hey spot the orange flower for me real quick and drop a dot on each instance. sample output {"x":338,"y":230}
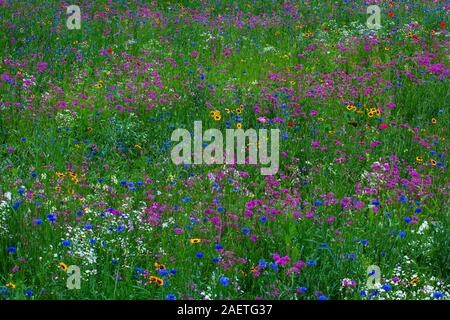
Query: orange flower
{"x":11,"y":285}
{"x":60,"y":175}
{"x":158,"y":281}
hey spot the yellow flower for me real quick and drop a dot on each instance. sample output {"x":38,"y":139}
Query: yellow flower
{"x":60,"y":174}
{"x":217,"y":117}
{"x":73,"y":174}
{"x":58,"y":188}
{"x":158,"y":281}
{"x":415,"y":280}
{"x":195,"y":240}
{"x":433,"y":120}
{"x":370,"y":114}
{"x":433,"y":162}
{"x":419,"y":159}
{"x":11,"y":285}
{"x":159,"y":266}
{"x":239,"y":125}
{"x":137,"y":146}
{"x":63,"y":266}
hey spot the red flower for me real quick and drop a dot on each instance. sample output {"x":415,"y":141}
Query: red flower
{"x":291,"y":124}
{"x":391,"y":14}
{"x":109,"y":51}
{"x":443,"y":24}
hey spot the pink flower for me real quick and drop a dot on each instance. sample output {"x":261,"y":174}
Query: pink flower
{"x":348,"y":282}
{"x":248,"y":213}
{"x":315,"y":144}
{"x":390,"y":105}
{"x":384,"y":126}
{"x":262,"y":119}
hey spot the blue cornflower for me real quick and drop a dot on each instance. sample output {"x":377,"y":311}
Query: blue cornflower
{"x":12,"y":249}
{"x":263,"y":219}
{"x":171,"y":297}
{"x":224,"y":281}
{"x":274,"y":266}
{"x":29,"y":293}
{"x":218,"y":246}
{"x":438,"y":295}
{"x":402,"y":234}
{"x":318,"y":202}
{"x":386,"y":287}
{"x":16,"y":205}
{"x":163,"y":272}
{"x":364,"y":242}
{"x":362,"y":293}
{"x":311,"y":263}
{"x":66,"y":243}
{"x":262,"y":263}
{"x":37,"y":221}
{"x":322,"y":297}
{"x":200,"y":254}
{"x":51,"y":217}
{"x":407,"y":219}
{"x":245,"y":230}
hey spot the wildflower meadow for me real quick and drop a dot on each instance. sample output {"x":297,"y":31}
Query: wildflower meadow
{"x":224,"y":150}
